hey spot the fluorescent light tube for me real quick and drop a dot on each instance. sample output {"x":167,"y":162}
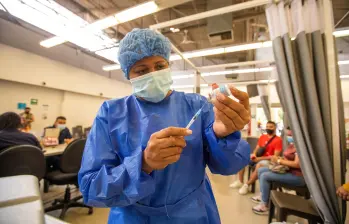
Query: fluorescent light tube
{"x":103,"y":23}
{"x":175,"y":57}
{"x":136,"y":12}
{"x":343,"y":62}
{"x":244,"y":47}
{"x":202,"y":53}
{"x":111,"y":67}
{"x":182,"y":76}
{"x":121,"y":17}
{"x":344,"y":76}
{"x":341,"y":33}
{"x":52,"y":42}
{"x":187,"y":86}
{"x":267,"y":81}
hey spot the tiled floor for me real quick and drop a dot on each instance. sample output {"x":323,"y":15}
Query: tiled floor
{"x":233,"y":207}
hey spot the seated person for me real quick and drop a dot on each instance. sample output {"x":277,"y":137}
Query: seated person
{"x":52,"y":162}
{"x":343,"y":192}
{"x":10,"y":134}
{"x":64,"y":134}
{"x":273,"y":148}
{"x":293,"y":176}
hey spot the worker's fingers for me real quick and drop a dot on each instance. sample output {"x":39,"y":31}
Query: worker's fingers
{"x":241,"y":96}
{"x":172,"y":159}
{"x":172,"y":141}
{"x":224,"y":119}
{"x":231,"y":114}
{"x":225,"y":109}
{"x":172,"y":151}
{"x":233,"y":105}
{"x":173,"y":131}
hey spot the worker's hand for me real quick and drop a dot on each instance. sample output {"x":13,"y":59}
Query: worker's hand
{"x":230,"y":116}
{"x":164,"y":148}
{"x":342,"y":193}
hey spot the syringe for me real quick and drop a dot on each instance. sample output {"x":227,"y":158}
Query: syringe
{"x":195,"y":117}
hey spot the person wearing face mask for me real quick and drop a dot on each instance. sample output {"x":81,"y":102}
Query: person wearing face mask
{"x":272,"y":145}
{"x":52,"y":162}
{"x":140,"y":161}
{"x":293,"y":176}
{"x":64,"y":134}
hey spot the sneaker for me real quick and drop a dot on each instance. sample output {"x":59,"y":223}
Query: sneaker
{"x":236,"y":184}
{"x":256,"y":199}
{"x":244,"y":189}
{"x":260,"y":209}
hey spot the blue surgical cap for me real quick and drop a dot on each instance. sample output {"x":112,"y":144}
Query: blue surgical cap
{"x":141,"y":43}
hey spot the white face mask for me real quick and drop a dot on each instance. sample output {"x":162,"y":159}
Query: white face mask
{"x":61,"y":126}
{"x":153,"y":86}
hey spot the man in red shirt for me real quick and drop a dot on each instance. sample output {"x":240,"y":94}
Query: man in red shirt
{"x":274,"y":148}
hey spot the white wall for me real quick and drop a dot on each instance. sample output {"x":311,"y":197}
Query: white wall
{"x":69,"y":91}
{"x":12,"y":93}
{"x":79,"y":109}
{"x":21,"y":66}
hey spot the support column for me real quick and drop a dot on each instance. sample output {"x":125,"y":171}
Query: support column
{"x":253,"y":108}
{"x":197,"y":82}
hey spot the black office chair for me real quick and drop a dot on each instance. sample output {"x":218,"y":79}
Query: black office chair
{"x":77,"y":132}
{"x":22,"y":160}
{"x":68,"y":174}
{"x":87,"y":131}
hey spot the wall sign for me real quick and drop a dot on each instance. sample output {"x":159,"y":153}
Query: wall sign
{"x":34,"y":101}
{"x":21,"y":106}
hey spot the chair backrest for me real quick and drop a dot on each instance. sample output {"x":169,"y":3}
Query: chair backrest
{"x":77,"y":132}
{"x":72,"y":156}
{"x":252,"y":141}
{"x":87,"y":131}
{"x":22,"y":160}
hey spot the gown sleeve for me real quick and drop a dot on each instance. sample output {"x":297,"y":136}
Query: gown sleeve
{"x":225,"y":156}
{"x":105,"y":178}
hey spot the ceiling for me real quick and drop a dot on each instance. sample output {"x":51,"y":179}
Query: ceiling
{"x":246,"y":26}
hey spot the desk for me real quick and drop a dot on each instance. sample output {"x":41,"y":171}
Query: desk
{"x":54,"y":150}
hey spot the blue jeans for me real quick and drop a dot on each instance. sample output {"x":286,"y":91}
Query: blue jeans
{"x":266,"y":176}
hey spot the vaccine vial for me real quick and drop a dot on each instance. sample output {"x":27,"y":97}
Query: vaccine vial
{"x":223,"y":88}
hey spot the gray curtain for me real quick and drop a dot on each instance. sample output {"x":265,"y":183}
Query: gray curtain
{"x":264,"y":96}
{"x":285,"y":118}
{"x":304,"y":90}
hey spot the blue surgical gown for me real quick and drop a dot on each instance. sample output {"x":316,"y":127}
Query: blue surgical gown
{"x":111,"y":175}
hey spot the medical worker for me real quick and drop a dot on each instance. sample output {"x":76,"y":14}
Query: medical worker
{"x":140,"y":161}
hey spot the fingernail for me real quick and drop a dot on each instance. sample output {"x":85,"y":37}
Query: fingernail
{"x":189,"y":132}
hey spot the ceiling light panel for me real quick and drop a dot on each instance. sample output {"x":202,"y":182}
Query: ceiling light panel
{"x":341,"y":33}
{"x":57,"y":20}
{"x":343,"y":62}
{"x":111,"y":67}
{"x":136,"y":12}
{"x":121,"y":17}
